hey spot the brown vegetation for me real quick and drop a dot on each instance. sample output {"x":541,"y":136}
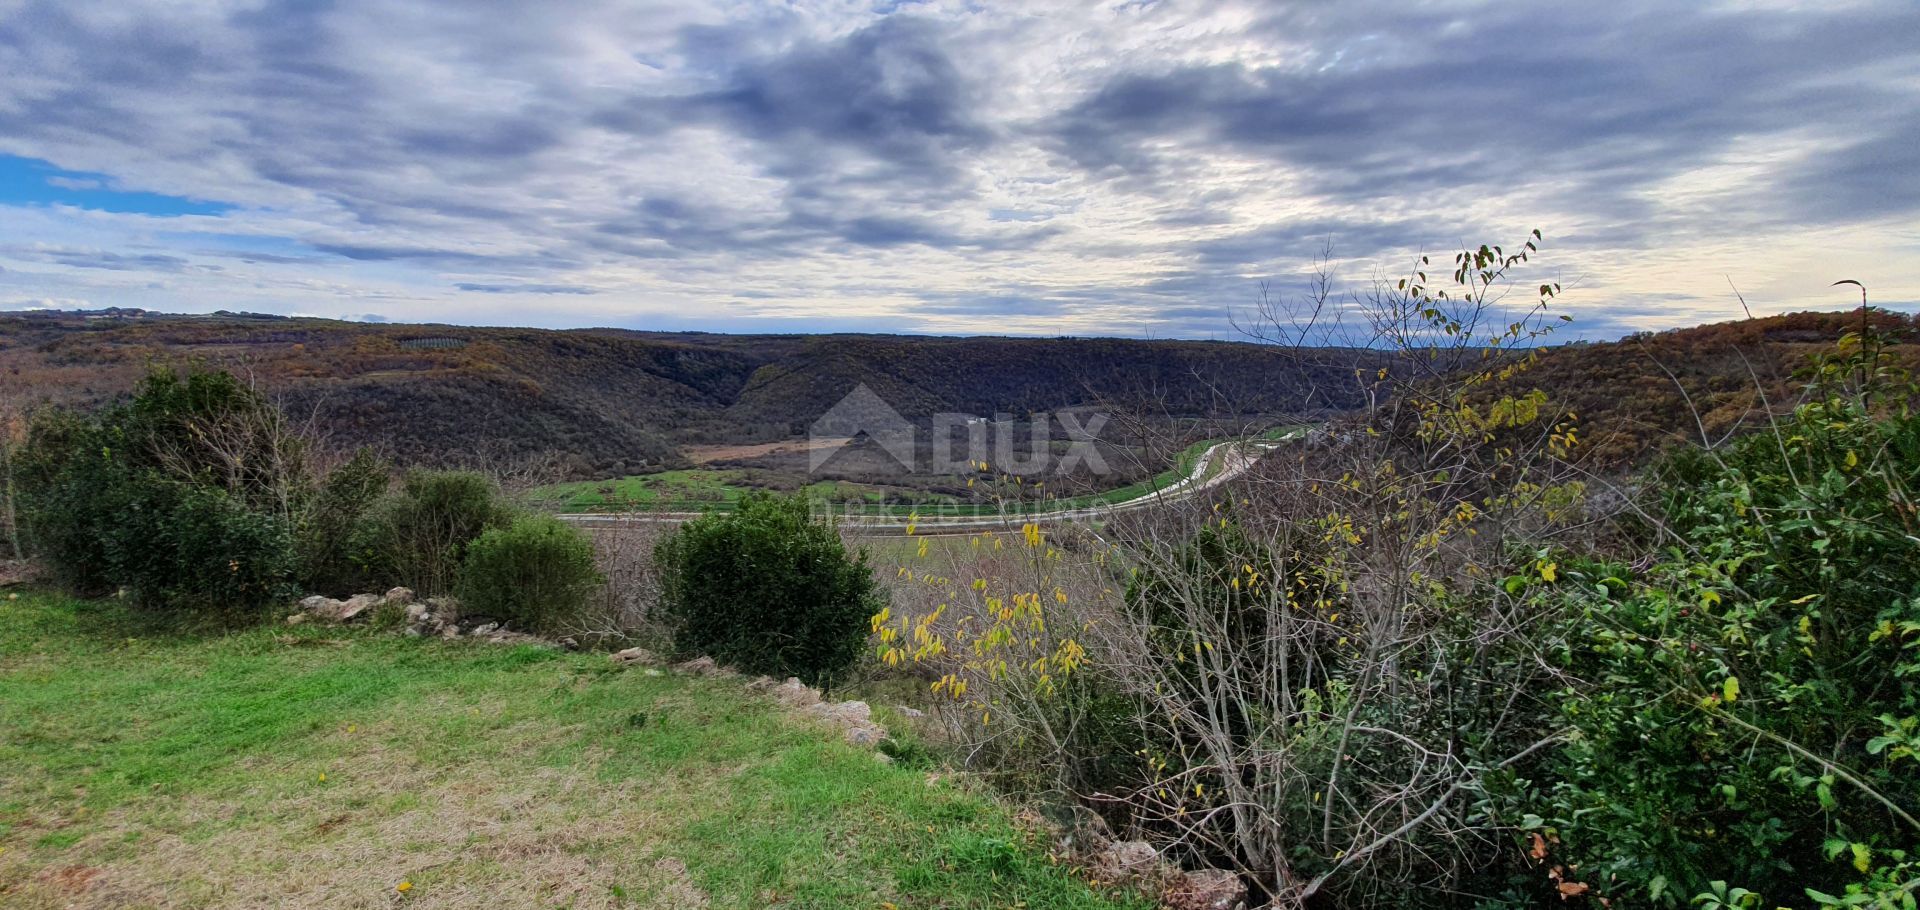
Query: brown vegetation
{"x":604,"y":402}
{"x":1695,"y":386}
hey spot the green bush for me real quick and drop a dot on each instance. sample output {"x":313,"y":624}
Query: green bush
{"x":329,"y":524}
{"x":70,"y":486}
{"x":535,"y":573}
{"x":768,"y":590}
{"x":418,"y":536}
{"x":207,"y":547}
{"x":1750,"y":713}
{"x":184,"y":496}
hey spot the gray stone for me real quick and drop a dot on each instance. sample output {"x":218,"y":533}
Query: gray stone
{"x":699,"y":666}
{"x":845,"y":712}
{"x":351,"y":608}
{"x":795,"y":694}
{"x":399,"y":596}
{"x":631,"y":656}
{"x":1205,"y":889}
{"x":1127,"y":861}
{"x":854,"y":720}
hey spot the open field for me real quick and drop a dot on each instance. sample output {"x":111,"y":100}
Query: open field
{"x":705,"y":454}
{"x":705,"y":489}
{"x":149,"y":766}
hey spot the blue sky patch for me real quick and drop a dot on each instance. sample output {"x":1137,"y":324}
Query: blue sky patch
{"x":30,"y":181}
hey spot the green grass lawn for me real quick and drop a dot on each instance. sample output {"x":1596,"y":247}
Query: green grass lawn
{"x":143,"y":765}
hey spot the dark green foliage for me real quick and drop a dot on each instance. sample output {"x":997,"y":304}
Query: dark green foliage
{"x":68,"y":485}
{"x":908,"y":752}
{"x":205,"y":546}
{"x":768,"y":590}
{"x":327,"y":528}
{"x":183,"y":496}
{"x":535,"y":574}
{"x":1751,"y":704}
{"x":418,"y":536}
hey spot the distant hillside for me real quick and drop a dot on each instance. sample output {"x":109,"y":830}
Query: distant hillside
{"x":613,"y":402}
{"x":1650,"y":390}
{"x":921,"y":377}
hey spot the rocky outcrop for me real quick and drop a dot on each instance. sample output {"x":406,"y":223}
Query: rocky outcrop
{"x":1137,"y":865}
{"x":435,"y":616}
{"x":1127,"y":861}
{"x":326,"y":608}
{"x":1205,"y":889}
{"x":853,"y":720}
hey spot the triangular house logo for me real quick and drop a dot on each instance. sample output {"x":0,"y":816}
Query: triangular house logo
{"x":860,"y":413}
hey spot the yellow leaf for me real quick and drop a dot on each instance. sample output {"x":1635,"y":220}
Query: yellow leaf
{"x":1550,"y":571}
{"x":1730,"y":689}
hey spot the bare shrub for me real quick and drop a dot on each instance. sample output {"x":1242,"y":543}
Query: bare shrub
{"x":623,"y":609}
{"x":1320,"y":664}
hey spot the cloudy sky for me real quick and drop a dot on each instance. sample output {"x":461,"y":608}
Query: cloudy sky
{"x":1123,"y":168}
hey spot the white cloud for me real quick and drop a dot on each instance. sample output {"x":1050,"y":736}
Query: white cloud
{"x":1118,"y":169}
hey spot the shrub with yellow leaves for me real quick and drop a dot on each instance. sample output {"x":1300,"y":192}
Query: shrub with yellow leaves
{"x":995,"y":625}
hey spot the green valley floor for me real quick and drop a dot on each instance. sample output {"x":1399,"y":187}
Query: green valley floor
{"x":142,"y":765}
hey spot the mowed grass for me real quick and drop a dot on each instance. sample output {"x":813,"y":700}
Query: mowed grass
{"x":142,"y":765}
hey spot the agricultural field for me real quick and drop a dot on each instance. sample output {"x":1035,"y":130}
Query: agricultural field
{"x":707,"y":488}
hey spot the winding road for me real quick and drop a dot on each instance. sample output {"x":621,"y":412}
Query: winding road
{"x":1220,"y":463}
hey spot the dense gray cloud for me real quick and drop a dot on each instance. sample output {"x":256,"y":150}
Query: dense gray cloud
{"x":947,"y":166}
{"x":1597,"y":102}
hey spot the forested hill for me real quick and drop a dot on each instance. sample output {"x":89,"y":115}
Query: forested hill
{"x":1650,"y":390}
{"x":615,"y":401}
